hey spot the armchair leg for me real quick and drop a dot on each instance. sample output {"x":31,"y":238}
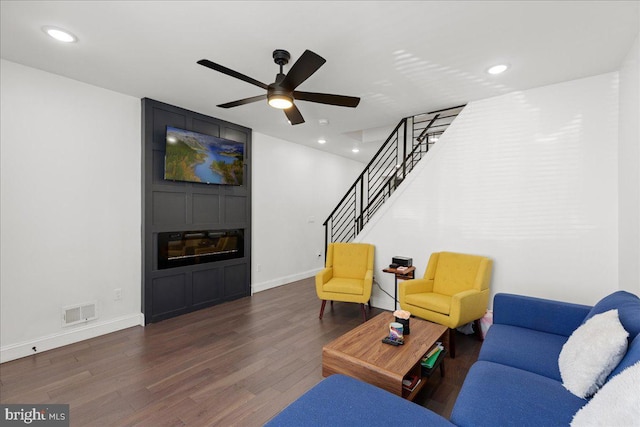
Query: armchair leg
{"x":452,"y":343}
{"x":478,"y":331}
{"x":324,"y":302}
{"x":364,"y":313}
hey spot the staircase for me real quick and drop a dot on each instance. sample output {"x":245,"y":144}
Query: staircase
{"x":403,"y":149}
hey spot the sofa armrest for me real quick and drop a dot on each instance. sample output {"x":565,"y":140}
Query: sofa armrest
{"x":555,"y":317}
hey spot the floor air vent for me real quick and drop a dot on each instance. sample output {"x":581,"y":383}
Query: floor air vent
{"x":73,"y":315}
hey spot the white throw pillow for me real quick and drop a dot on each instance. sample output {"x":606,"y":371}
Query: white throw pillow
{"x":591,"y":353}
{"x":615,"y":404}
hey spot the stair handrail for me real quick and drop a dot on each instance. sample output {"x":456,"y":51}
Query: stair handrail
{"x":359,"y":178}
{"x":349,"y":226}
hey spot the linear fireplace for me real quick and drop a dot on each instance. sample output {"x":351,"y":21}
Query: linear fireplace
{"x":180,"y":248}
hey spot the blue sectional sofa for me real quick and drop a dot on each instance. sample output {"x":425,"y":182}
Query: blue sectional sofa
{"x":516,"y":380}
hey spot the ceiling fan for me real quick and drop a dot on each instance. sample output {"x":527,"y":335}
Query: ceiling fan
{"x":281,"y":93}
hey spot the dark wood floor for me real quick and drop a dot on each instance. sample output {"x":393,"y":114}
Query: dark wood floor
{"x":237,"y":363}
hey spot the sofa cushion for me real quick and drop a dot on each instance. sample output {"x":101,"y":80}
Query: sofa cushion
{"x":628,"y":306}
{"x":498,"y":395}
{"x":617,"y":403}
{"x":339,"y":400}
{"x":592,"y":352}
{"x":523,"y":348}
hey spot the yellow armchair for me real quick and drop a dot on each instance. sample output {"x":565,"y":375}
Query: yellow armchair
{"x":347,"y":276}
{"x":453,"y":292}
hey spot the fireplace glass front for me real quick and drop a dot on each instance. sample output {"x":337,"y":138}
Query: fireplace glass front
{"x":177,"y":249}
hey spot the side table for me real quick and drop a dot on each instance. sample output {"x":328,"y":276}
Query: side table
{"x":406,"y":274}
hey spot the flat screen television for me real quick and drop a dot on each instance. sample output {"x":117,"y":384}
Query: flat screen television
{"x":195,"y":157}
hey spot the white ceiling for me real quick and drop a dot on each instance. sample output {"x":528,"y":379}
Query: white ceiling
{"x":402,"y":58}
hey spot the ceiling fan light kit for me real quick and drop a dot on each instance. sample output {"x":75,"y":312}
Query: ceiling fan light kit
{"x":282,"y":93}
{"x":280,"y":101}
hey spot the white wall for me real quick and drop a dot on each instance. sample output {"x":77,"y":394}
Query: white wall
{"x":70,"y":208}
{"x":294,"y":189}
{"x":529,"y":179}
{"x":629,"y":171}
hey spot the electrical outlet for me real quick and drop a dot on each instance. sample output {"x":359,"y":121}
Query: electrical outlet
{"x":117,"y":294}
{"x":258,"y":268}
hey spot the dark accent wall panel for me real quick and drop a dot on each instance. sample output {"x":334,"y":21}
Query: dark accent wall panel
{"x":168,"y":208}
{"x":207,"y":287}
{"x":206,"y":208}
{"x":182,"y":206}
{"x":234,"y":278}
{"x":169,"y":294}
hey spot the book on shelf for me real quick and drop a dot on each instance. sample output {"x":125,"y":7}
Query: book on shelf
{"x":433,"y":350}
{"x":432,"y":355}
{"x":411,"y":382}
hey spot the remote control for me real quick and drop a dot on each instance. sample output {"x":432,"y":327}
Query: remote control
{"x":388,"y":340}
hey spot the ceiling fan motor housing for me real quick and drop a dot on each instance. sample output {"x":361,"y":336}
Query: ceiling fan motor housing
{"x":281,"y":57}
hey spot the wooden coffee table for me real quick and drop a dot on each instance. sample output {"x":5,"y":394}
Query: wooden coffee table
{"x":360,"y":353}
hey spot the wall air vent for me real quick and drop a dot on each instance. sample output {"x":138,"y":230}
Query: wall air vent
{"x":72,"y":315}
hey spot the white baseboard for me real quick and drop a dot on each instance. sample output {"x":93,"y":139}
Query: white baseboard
{"x":77,"y":334}
{"x":263,"y":286}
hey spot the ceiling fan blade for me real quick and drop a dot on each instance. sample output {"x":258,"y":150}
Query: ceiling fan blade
{"x":326,"y":98}
{"x":294,"y":115}
{"x":230,"y":72}
{"x":304,"y":67}
{"x":243,"y":101}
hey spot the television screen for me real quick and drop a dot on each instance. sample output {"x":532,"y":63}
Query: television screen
{"x":196,"y":157}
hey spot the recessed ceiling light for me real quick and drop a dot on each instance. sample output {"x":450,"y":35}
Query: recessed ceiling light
{"x":323,"y":122}
{"x":498,"y":69}
{"x":60,"y":35}
{"x":322,"y":141}
{"x":355,"y":150}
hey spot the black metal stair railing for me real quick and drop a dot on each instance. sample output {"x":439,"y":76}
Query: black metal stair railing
{"x":400,"y":153}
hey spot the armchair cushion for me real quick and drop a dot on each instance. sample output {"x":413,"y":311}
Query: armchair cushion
{"x":430,"y":301}
{"x":344,"y":286}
